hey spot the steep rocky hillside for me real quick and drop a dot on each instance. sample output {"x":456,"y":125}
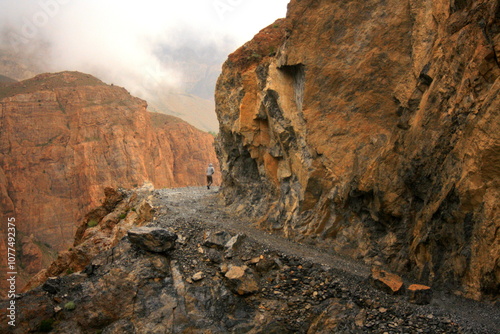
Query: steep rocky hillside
{"x":178,"y":261}
{"x":67,"y":136}
{"x":372,"y":128}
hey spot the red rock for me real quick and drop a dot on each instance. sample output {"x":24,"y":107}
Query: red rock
{"x":67,"y":136}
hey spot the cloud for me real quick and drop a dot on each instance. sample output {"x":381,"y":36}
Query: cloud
{"x":135,"y":44}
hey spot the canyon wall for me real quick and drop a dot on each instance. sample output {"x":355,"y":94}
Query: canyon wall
{"x":67,"y":136}
{"x":371,"y":128}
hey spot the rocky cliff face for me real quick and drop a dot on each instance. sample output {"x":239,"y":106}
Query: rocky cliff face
{"x":67,"y":136}
{"x":372,"y":128}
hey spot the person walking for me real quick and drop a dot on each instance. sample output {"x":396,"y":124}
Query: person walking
{"x":210,"y":173}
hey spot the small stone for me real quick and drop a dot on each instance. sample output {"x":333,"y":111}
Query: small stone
{"x":241,"y":280}
{"x":255,"y":260}
{"x":265,"y":265}
{"x":181,"y":239}
{"x":224,"y":268}
{"x":198,"y":276}
{"x":214,"y":255}
{"x":216,"y":240}
{"x":361,"y":318}
{"x":235,"y":242}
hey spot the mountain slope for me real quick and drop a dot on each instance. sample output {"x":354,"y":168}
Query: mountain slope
{"x":193,"y":109}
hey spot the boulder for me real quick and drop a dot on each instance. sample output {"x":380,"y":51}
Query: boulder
{"x":152,"y":239}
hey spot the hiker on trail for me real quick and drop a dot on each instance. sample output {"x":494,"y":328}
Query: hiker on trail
{"x":210,"y":172}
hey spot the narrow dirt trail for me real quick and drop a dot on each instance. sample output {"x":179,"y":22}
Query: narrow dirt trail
{"x":197,"y":204}
{"x":206,"y":206}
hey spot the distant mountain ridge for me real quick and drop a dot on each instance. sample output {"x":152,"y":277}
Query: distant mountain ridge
{"x":193,"y":103}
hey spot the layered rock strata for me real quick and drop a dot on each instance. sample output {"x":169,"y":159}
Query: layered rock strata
{"x":372,"y":128}
{"x":67,"y":136}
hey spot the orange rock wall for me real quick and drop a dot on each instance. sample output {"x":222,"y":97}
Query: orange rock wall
{"x":371,"y":128}
{"x":67,"y":136}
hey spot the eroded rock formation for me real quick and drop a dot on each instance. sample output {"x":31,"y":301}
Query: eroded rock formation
{"x":372,"y":127}
{"x":67,"y":136}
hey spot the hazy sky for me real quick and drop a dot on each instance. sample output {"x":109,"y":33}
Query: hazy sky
{"x":131,"y":43}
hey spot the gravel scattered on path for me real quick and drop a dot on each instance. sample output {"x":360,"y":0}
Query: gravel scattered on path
{"x":197,"y":204}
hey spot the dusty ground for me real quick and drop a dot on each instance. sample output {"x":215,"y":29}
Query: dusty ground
{"x":182,"y":207}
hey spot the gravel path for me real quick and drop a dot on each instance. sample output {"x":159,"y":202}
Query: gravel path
{"x":198,"y":204}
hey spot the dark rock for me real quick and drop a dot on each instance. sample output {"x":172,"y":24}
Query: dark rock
{"x":152,"y":239}
{"x":214,"y":255}
{"x":52,"y":285}
{"x":266,"y":265}
{"x":90,"y":269}
{"x":216,"y":240}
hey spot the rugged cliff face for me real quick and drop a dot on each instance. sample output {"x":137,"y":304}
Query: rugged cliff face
{"x":67,"y":136}
{"x":372,"y":128}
